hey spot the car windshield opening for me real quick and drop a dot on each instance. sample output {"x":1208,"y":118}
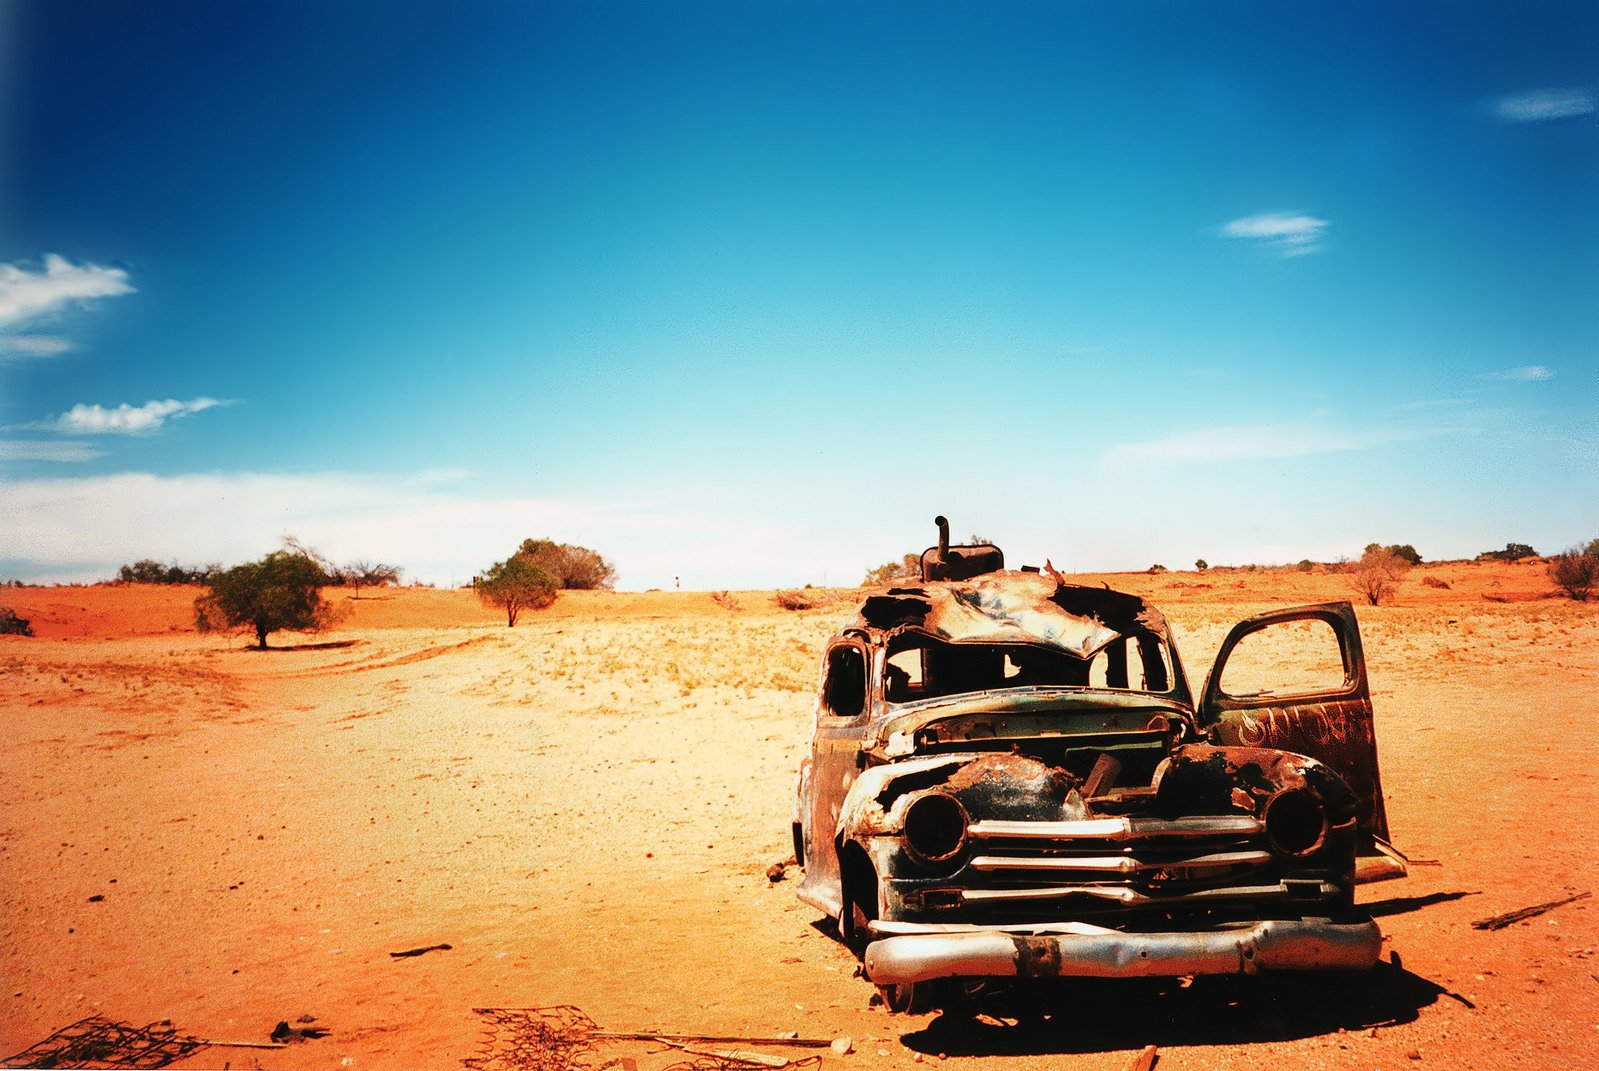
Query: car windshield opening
{"x":921,"y":667}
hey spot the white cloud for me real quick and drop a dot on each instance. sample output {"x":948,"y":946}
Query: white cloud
{"x":1541,"y":105}
{"x":25,"y":295}
{"x":47,"y":450}
{"x":1291,"y":234}
{"x":1523,"y":373}
{"x":32,"y":346}
{"x":125,"y":419}
{"x":1246,"y":442}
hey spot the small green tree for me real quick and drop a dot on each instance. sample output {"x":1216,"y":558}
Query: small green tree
{"x":1576,"y":570}
{"x":281,"y":592}
{"x":516,"y":584}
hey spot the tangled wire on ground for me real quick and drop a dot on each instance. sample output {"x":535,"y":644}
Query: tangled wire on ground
{"x":103,"y":1042}
{"x":561,"y":1038}
{"x":535,"y":1039}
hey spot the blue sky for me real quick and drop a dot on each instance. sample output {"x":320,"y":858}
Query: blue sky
{"x":746,"y":293}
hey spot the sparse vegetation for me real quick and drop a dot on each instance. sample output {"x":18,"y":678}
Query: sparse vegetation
{"x":516,"y":584}
{"x":1156,"y":568}
{"x":1576,"y":570}
{"x":150,"y":571}
{"x":1434,"y":582}
{"x":1403,"y":551}
{"x":12,"y":625}
{"x":725,"y":600}
{"x":1513,"y":552}
{"x":1200,"y":565}
{"x":573,"y":568}
{"x":1379,"y":571}
{"x":281,"y":592}
{"x":798,"y":600}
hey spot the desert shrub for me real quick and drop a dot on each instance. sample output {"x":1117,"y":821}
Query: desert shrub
{"x":1576,"y":570}
{"x":1378,"y":572}
{"x":907,"y":568}
{"x":1200,"y":565}
{"x":1305,"y":565}
{"x":1513,"y":552}
{"x":150,"y":571}
{"x":281,"y":592}
{"x":1434,"y":582}
{"x":12,"y":625}
{"x":797,"y":600}
{"x":1156,"y":568}
{"x":516,"y":584}
{"x":572,"y":567}
{"x":725,"y":600}
{"x":1403,"y":551}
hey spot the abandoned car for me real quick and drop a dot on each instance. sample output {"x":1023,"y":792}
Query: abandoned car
{"x":1009,"y":778}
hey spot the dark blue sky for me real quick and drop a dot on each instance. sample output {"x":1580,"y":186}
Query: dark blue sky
{"x":746,"y":293}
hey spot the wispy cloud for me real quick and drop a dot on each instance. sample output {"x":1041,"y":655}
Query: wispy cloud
{"x":1542,"y":105}
{"x":27,"y":295}
{"x":1523,"y":373}
{"x":47,"y":450}
{"x":125,"y":419}
{"x":32,"y":346}
{"x":1248,"y":442}
{"x":1291,"y":234}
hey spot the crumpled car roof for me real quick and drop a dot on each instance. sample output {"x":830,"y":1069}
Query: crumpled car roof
{"x":1012,"y":607}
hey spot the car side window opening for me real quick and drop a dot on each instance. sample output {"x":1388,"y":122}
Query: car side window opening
{"x":1300,"y":657}
{"x":844,"y":689}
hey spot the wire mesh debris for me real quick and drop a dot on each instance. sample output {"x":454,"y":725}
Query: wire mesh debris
{"x":100,"y":1042}
{"x":535,"y":1039}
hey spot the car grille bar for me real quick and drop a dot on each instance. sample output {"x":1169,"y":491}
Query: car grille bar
{"x":1123,"y":865}
{"x":1121,"y":829}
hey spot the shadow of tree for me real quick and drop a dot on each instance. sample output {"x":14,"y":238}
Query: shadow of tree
{"x":1094,"y":1015}
{"x":1400,"y":905}
{"x":329,"y":645}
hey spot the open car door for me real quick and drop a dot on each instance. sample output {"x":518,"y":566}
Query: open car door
{"x":1295,"y":680}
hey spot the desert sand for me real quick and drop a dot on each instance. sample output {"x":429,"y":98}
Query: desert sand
{"x":584,"y":809}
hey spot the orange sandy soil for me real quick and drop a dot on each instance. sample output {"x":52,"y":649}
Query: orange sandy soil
{"x":584,"y":808}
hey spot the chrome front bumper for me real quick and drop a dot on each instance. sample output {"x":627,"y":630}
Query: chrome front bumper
{"x":1075,"y":950}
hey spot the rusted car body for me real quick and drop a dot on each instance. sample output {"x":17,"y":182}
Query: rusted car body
{"x":1010,"y":778}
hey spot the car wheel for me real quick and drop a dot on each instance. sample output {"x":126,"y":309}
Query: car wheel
{"x":919,"y":998}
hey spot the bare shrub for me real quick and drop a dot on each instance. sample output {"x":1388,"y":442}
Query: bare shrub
{"x":1378,"y":572}
{"x":1434,"y":582}
{"x":725,"y":600}
{"x":1576,"y":570}
{"x":797,"y":600}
